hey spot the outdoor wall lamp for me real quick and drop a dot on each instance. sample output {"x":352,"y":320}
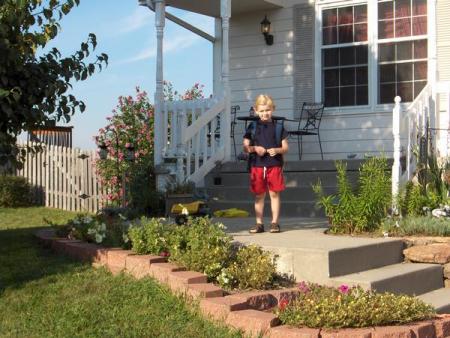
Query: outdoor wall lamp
{"x":130,"y":152}
{"x":103,"y":153}
{"x":265,"y":29}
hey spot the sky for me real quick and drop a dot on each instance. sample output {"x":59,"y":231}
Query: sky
{"x":126,"y":32}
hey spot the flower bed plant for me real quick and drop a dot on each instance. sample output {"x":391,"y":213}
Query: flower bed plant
{"x":344,"y":307}
{"x":203,"y":246}
{"x":417,"y":226}
{"x":96,"y":229}
{"x":360,"y":209}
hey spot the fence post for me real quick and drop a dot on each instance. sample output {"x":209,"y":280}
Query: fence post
{"x":396,"y":166}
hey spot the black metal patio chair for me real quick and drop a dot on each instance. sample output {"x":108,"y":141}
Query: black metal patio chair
{"x":309,"y":124}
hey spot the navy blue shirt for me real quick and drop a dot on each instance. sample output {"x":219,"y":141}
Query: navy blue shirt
{"x":265,"y":136}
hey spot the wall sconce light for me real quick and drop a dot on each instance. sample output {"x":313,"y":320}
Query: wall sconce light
{"x":265,"y":29}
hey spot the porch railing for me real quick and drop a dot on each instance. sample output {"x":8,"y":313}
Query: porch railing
{"x":192,"y":136}
{"x":429,"y":112}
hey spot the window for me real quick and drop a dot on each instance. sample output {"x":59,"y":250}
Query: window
{"x":401,"y":45}
{"x":344,"y":56}
{"x":402,"y":49}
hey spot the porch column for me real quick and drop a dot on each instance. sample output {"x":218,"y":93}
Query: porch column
{"x":225,"y":13}
{"x":396,"y":166}
{"x":160,"y":8}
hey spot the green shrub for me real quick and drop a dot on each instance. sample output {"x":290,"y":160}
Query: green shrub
{"x":149,"y":236}
{"x":325,"y":307}
{"x":417,"y":225}
{"x":201,"y":246}
{"x":14,"y":192}
{"x":361,"y":209}
{"x":252,"y":268}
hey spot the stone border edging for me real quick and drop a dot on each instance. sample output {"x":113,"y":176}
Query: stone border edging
{"x":246,"y":311}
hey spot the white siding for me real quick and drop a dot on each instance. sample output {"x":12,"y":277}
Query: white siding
{"x":256,"y":68}
{"x":443,"y":39}
{"x":285,"y":71}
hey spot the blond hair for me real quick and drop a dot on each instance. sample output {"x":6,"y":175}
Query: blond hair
{"x":264,"y":100}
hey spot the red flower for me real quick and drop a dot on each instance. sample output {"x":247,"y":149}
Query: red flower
{"x":283,"y":304}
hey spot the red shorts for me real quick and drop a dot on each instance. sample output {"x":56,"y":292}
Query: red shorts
{"x":266,"y":178}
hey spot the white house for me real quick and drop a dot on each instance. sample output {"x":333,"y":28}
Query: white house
{"x":355,"y":56}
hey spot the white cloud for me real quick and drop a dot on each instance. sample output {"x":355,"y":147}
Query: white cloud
{"x":170,"y":45}
{"x":139,"y":18}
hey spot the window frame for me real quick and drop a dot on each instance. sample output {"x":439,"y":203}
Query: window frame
{"x":372,"y":42}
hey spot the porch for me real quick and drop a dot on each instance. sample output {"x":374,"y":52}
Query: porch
{"x":194,"y":137}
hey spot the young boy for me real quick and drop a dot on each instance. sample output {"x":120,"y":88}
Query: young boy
{"x":266,"y":163}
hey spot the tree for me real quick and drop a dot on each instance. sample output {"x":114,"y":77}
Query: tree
{"x":34,"y":83}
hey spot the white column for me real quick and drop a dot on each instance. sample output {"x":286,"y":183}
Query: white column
{"x":225,"y":13}
{"x":396,"y":166}
{"x":159,"y":96}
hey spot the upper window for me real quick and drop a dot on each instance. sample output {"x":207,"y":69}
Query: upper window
{"x":401,"y":48}
{"x":344,"y":56}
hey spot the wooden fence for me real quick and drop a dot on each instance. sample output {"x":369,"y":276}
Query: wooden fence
{"x":63,"y":178}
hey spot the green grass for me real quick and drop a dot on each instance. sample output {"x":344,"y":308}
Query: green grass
{"x":45,"y":295}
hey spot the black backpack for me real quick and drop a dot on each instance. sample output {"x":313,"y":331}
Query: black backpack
{"x":251,"y":129}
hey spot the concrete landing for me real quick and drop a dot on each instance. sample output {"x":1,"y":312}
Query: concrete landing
{"x":439,"y":298}
{"x":305,"y":252}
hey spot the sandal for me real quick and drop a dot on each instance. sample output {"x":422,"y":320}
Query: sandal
{"x":258,"y":228}
{"x":274,"y":228}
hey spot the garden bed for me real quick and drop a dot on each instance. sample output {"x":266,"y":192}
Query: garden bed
{"x":247,"y":311}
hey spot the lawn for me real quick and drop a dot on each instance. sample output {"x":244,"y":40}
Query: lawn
{"x":44,"y":295}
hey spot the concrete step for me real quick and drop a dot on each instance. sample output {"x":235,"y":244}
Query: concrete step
{"x":288,"y":208}
{"x":402,"y":278}
{"x":439,"y":298}
{"x":292,"y":179}
{"x":242,"y":193}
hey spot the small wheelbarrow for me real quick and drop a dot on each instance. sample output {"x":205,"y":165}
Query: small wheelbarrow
{"x":181,"y":212}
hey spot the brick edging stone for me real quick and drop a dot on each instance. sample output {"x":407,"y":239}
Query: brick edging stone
{"x":244,"y":311}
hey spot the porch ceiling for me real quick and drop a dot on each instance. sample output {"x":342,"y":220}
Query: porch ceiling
{"x":212,"y":7}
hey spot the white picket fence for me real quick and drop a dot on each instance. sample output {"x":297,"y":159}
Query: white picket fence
{"x":63,"y":178}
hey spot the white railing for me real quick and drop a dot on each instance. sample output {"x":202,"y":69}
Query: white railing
{"x":430,"y":111}
{"x":192,"y":135}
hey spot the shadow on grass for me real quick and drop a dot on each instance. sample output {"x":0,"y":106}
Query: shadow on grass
{"x":23,"y":259}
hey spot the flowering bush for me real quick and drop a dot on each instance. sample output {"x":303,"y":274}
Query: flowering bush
{"x":84,"y":227}
{"x":201,"y":246}
{"x":252,"y":268}
{"x":130,"y":125}
{"x":204,"y":246}
{"x":320,"y":306}
{"x":96,"y":229}
{"x":148,"y":236}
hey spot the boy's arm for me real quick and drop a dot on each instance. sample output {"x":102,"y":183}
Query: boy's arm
{"x":282,"y":150}
{"x":252,"y":149}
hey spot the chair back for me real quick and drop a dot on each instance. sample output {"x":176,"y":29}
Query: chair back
{"x":312,"y":115}
{"x":234,"y":110}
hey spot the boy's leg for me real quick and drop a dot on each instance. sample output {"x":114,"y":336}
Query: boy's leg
{"x":259,"y":207}
{"x":275,"y":205}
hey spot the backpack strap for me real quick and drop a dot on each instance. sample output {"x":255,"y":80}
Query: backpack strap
{"x":278,"y":132}
{"x":251,"y":129}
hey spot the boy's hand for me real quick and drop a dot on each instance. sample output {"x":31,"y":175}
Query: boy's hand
{"x":260,"y":151}
{"x":272,"y":151}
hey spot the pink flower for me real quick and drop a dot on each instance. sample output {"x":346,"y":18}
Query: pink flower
{"x":164,"y":254}
{"x":303,"y":287}
{"x":344,"y":289}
